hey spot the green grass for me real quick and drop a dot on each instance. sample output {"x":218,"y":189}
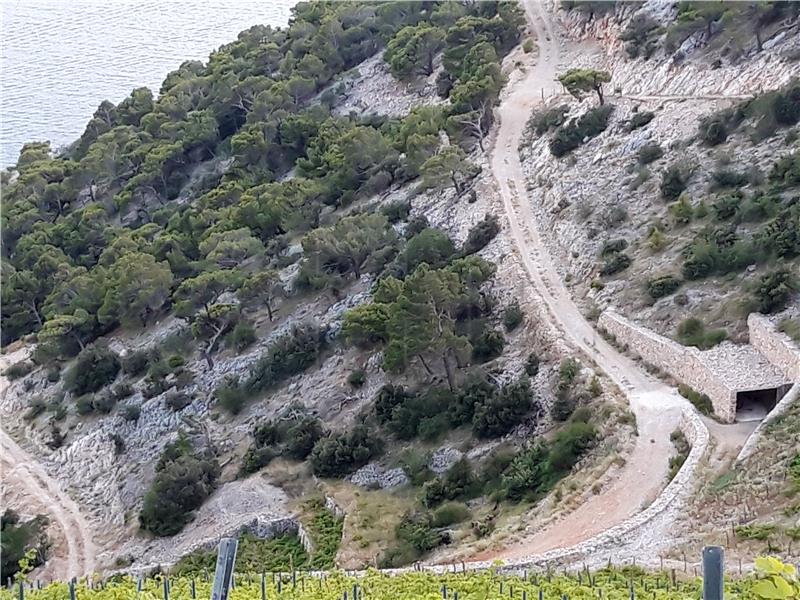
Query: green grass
{"x":283,"y":553}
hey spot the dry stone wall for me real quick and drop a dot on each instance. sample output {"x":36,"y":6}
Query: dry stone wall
{"x":776,"y":346}
{"x":685,"y":364}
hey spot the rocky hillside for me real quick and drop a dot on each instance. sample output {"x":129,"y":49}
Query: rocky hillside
{"x":676,"y":202}
{"x":281,"y":296}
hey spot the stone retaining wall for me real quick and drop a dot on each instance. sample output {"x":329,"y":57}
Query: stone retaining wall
{"x":683,"y":363}
{"x":779,"y":349}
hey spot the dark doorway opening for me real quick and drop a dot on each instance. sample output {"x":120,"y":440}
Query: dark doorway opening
{"x":754,"y":405}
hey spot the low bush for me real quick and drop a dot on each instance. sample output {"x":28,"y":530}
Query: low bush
{"x":95,"y":367}
{"x":397,"y":211}
{"x":503,"y":411}
{"x":178,"y":400}
{"x":357,"y":378}
{"x":136,"y":363}
{"x":36,"y":407}
{"x":640,"y":119}
{"x":241,"y":336}
{"x":682,"y":448}
{"x":673,"y":182}
{"x":773,"y":291}
{"x":458,"y":482}
{"x":641,"y":35}
{"x":693,"y":332}
{"x":231,"y":395}
{"x":535,"y":470}
{"x":512,"y":316}
{"x":589,"y":125}
{"x":543,"y":121}
{"x":18,"y":370}
{"x":253,"y":555}
{"x":185,"y":477}
{"x":727,"y":178}
{"x":664,"y":285}
{"x":615,"y":263}
{"x":481,"y":234}
{"x":790,"y":327}
{"x":487,"y":346}
{"x":131,"y":412}
{"x":450,"y":513}
{"x":648,"y":153}
{"x":532,"y":365}
{"x":342,"y":454}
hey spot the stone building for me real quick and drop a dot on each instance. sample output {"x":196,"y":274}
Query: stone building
{"x":743,"y":381}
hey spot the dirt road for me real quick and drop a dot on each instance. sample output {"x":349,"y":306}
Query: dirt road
{"x":26,"y":484}
{"x":656,"y":406}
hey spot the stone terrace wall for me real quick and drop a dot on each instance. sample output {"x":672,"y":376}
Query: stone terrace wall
{"x":684,"y":364}
{"x":779,"y":349}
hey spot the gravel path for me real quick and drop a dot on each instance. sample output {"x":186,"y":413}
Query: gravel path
{"x":657,"y":407}
{"x":72,"y":552}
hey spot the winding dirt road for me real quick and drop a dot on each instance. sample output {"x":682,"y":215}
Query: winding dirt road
{"x":657,"y":407}
{"x":26,"y":482}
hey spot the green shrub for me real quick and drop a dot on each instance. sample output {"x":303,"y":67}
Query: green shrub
{"x":700,"y":401}
{"x":725,"y":178}
{"x":648,"y":153}
{"x":774,"y":290}
{"x":342,"y":454}
{"x":389,"y":396}
{"x":357,"y":378}
{"x":615,"y":263}
{"x":397,"y":211}
{"x":175,"y":361}
{"x":84,"y":405}
{"x":512,"y":316}
{"x":543,"y":121}
{"x":241,"y":336}
{"x":104,"y":403}
{"x":713,"y":130}
{"x":693,"y":332}
{"x":450,"y":513}
{"x":527,"y":46}
{"x":640,"y":119}
{"x":673,"y":182}
{"x":458,"y":482}
{"x":289,"y":355}
{"x":184,"y":478}
{"x":504,"y":411}
{"x":613,"y":246}
{"x":178,"y":400}
{"x":19,"y":370}
{"x":664,"y":285}
{"x":231,"y":395}
{"x":563,"y":407}
{"x":18,"y":538}
{"x":589,"y":125}
{"x":131,"y":412}
{"x":786,"y":170}
{"x":480,"y":235}
{"x":122,"y":390}
{"x":726,"y":207}
{"x":135,"y":363}
{"x":489,"y":345}
{"x":407,"y":418}
{"x":682,"y":449}
{"x":570,"y":444}
{"x":641,"y":36}
{"x":532,"y":365}
{"x":790,"y":327}
{"x":95,"y":367}
{"x":568,"y":372}
{"x":256,"y":459}
{"x":301,"y":437}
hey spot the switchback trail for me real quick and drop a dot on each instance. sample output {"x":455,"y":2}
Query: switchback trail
{"x":74,"y":555}
{"x":657,"y":407}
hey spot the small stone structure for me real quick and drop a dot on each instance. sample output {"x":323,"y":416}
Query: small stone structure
{"x":778,"y":347}
{"x":727,"y":372}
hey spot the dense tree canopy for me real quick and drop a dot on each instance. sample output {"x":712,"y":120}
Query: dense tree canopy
{"x":164,"y":188}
